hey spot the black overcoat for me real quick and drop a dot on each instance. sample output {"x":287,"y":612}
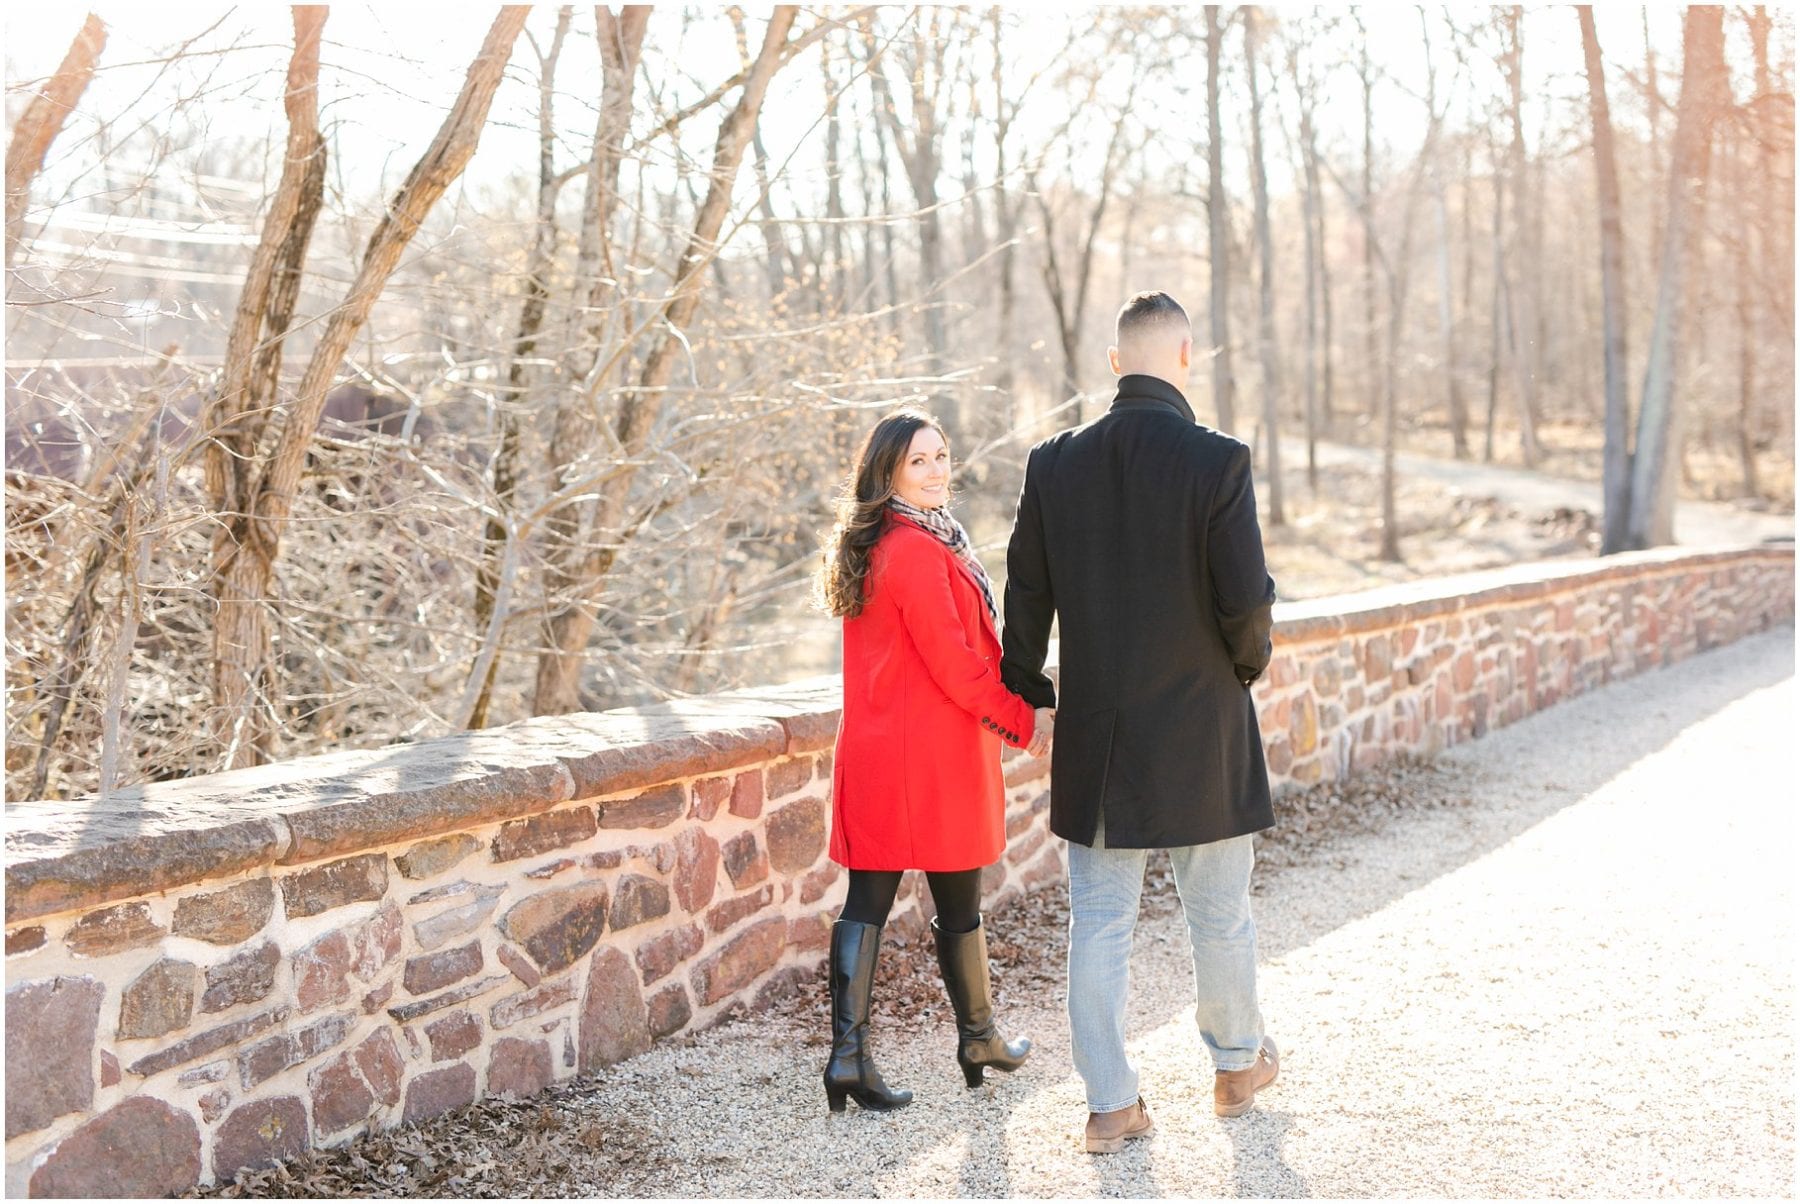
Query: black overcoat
{"x":1138,"y":534}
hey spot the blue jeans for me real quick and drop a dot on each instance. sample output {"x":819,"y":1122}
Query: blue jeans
{"x":1213,"y":881}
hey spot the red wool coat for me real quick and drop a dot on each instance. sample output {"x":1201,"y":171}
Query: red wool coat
{"x":916,"y":778}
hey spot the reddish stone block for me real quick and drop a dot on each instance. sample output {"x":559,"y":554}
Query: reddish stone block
{"x":340,"y":1098}
{"x":1378,"y":657}
{"x":1463,"y":672}
{"x":558,"y":926}
{"x":785,"y":777}
{"x":434,"y":971}
{"x":514,"y":1008}
{"x":815,"y":884}
{"x":1281,"y":755}
{"x":141,"y":1149}
{"x":669,"y":1011}
{"x":258,"y":1133}
{"x":377,"y":999}
{"x":809,"y":932}
{"x":1026,"y":769}
{"x":696,"y":868}
{"x":614,"y":1023}
{"x":375,"y":943}
{"x":1021,"y":852}
{"x":637,"y":899}
{"x":406,"y":1013}
{"x":1282,"y":672}
{"x":24,"y":940}
{"x":429,"y":858}
{"x":521,"y":967}
{"x":110,"y":1074}
{"x":335,"y":884}
{"x":709,"y":795}
{"x":724,"y":915}
{"x":113,"y":930}
{"x":320,"y":971}
{"x":1409,"y":639}
{"x":745,"y":862}
{"x":519,"y":1068}
{"x":158,"y":1001}
{"x":551,"y":869}
{"x":659,"y":955}
{"x":382,"y":1067}
{"x":1327,"y":677}
{"x":1046,"y":871}
{"x":747,"y":794}
{"x":246,"y":978}
{"x":796,"y":836}
{"x":439,"y":1091}
{"x":542,"y":833}
{"x":50,"y":1027}
{"x":653,"y":809}
{"x":741,"y":961}
{"x":453,"y":1036}
{"x":225,"y":917}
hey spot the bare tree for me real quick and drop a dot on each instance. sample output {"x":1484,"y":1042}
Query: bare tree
{"x":1615,"y":489}
{"x":1521,"y":315}
{"x":559,"y":666}
{"x":246,"y":551}
{"x":1265,"y":243}
{"x":1656,"y":457}
{"x":1218,"y":226}
{"x":43,"y":120}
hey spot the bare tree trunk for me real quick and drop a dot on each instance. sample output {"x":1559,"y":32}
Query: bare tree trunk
{"x":1521,"y":314}
{"x":497,"y":535}
{"x":1703,"y":84}
{"x":1218,"y":232}
{"x":42,"y":121}
{"x":1366,"y":73}
{"x":1310,"y":216}
{"x":1615,"y":488}
{"x":1006,"y":212}
{"x":1496,"y":298}
{"x":1327,"y":337}
{"x":1271,"y":359}
{"x":238,"y":413}
{"x":244,"y":560}
{"x":835,"y":291}
{"x":558,"y":677}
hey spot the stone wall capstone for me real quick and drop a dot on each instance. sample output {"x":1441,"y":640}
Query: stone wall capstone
{"x":206,"y":975}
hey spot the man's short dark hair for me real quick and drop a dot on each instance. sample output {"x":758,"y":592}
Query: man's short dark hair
{"x":1146,"y":311}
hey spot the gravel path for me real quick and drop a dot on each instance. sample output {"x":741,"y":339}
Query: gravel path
{"x":1696,"y":522}
{"x":1568,"y":971}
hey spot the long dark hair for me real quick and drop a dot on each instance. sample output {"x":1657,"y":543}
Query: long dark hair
{"x":861,"y":505}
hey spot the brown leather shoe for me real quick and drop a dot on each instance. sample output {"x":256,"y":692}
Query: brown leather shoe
{"x":1107,"y":1132}
{"x":1234,"y":1091}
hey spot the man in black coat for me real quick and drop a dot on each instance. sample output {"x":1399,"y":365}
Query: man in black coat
{"x":1138,"y":533}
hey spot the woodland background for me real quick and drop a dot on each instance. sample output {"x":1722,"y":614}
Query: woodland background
{"x":358,"y":395}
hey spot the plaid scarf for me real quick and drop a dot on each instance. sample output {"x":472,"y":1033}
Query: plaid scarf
{"x":950,"y":533}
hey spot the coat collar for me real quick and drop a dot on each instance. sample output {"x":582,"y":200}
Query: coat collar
{"x":1140,"y":392}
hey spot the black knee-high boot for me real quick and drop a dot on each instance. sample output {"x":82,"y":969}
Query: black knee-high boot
{"x":962,"y":956}
{"x":851,"y":1071}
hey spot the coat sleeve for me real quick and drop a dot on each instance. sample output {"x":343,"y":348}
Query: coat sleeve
{"x":916,"y":576}
{"x":1243,"y":591}
{"x":1030,"y":603}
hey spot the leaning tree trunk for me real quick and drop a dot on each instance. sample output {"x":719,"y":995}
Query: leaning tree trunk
{"x":243,"y":567}
{"x":1218,"y":227}
{"x":1615,"y":472}
{"x":1654,"y":464}
{"x":1271,"y":359}
{"x":559,"y":668}
{"x":43,"y":120}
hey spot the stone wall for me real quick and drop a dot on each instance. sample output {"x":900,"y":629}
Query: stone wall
{"x":205,"y":975}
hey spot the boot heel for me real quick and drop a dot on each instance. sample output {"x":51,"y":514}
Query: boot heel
{"x":834,"y":1097}
{"x":972,"y":1075}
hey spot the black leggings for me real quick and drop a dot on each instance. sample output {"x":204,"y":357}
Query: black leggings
{"x":957,"y":894}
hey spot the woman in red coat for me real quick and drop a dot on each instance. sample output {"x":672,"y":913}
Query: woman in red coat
{"x":916,"y":780}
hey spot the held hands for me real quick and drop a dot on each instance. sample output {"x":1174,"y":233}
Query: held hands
{"x":1041,"y":732}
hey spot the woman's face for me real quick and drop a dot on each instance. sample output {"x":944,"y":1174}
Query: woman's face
{"x":923,"y":478}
